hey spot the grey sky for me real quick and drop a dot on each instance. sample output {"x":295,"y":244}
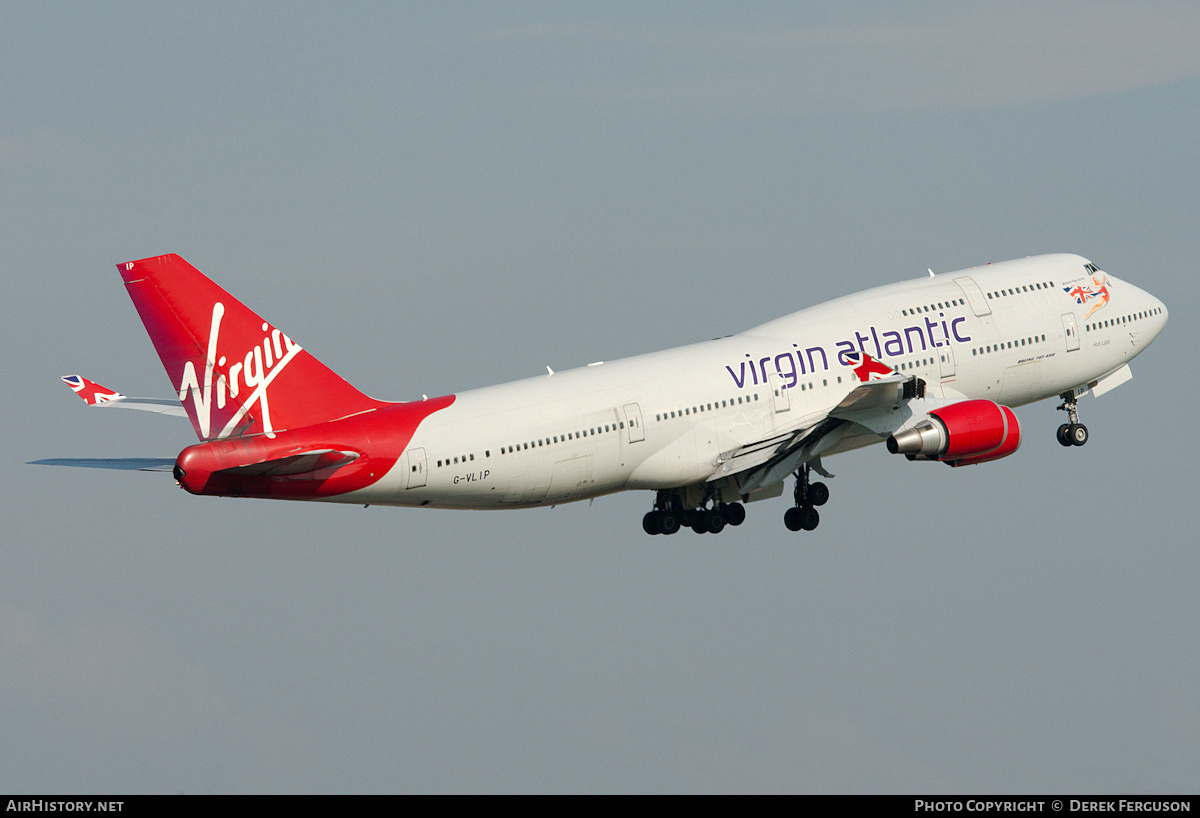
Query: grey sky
{"x":439,"y":196}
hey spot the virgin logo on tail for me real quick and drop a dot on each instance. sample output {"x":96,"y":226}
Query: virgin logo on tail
{"x":253,"y":371}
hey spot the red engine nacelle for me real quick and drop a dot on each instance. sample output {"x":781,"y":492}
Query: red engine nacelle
{"x":973,"y":431}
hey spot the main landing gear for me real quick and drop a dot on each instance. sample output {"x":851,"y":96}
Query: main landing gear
{"x":804,"y":516}
{"x":1073,"y":433}
{"x":669,"y":515}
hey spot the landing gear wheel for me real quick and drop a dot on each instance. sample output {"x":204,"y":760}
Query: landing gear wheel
{"x":650,"y":523}
{"x":1073,"y":433}
{"x":818,"y":494}
{"x":1078,"y":434}
{"x":792,"y":519}
{"x":809,"y":518}
{"x":734,"y":513}
{"x":714,"y":522}
{"x":698,"y":526}
{"x":668,"y":523}
{"x":1063,"y":431}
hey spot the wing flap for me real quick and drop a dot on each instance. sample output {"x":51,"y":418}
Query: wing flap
{"x":764,"y":462}
{"x":751,"y":455}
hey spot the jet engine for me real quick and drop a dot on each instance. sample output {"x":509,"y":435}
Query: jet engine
{"x":972,"y":431}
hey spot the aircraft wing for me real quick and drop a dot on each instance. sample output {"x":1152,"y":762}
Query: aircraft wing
{"x":880,"y":399}
{"x":93,"y":394}
{"x":751,"y":455}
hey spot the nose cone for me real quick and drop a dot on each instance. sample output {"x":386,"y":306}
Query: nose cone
{"x":1150,"y":313}
{"x":1157,"y":315}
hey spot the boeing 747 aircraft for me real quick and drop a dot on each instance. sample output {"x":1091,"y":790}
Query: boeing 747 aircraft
{"x":931,"y":367}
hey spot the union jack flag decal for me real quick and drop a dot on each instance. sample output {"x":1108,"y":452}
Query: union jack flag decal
{"x":1083,"y":293}
{"x":1080,"y":293}
{"x":91,"y":392}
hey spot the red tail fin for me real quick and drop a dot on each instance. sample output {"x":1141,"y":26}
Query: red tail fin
{"x":234,"y":372}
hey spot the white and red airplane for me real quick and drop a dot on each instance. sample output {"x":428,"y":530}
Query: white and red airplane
{"x":931,"y":367}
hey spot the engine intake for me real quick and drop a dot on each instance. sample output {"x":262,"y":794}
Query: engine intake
{"x":972,"y":431}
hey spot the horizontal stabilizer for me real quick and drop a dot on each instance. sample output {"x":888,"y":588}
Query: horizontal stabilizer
{"x":119,"y":463}
{"x":93,"y":394}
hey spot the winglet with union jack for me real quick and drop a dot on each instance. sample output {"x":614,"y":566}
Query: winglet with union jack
{"x":93,"y":394}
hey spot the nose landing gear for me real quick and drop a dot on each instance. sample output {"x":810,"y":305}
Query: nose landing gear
{"x":1073,"y":433}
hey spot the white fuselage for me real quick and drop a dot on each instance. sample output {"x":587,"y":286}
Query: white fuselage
{"x":1008,"y":332}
